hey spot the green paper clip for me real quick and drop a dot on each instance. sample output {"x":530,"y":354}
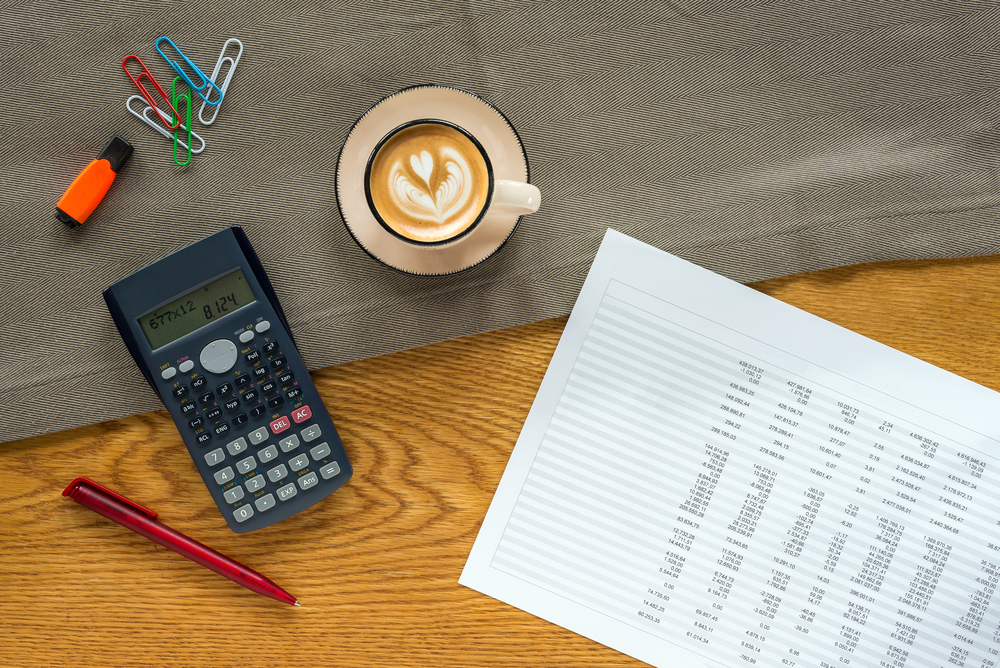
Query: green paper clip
{"x":175,"y":98}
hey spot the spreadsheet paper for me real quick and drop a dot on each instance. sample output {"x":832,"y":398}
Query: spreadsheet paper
{"x":711,"y":477}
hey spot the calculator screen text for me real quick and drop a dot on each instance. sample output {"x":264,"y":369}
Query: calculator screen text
{"x":196,"y":309}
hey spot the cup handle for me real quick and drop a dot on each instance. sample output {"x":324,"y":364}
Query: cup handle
{"x":515,"y":197}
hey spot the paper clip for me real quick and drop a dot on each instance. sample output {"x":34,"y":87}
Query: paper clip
{"x":145,"y":93}
{"x":207,"y":83}
{"x":176,"y":99}
{"x":144,"y":117}
{"x":225,"y":84}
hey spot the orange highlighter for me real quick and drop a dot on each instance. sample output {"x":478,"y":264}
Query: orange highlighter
{"x":89,"y":188}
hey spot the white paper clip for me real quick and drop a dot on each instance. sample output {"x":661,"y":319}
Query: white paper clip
{"x":156,"y":126}
{"x":225,"y":84}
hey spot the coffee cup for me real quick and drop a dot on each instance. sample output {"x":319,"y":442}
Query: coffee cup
{"x":433,"y":180}
{"x":430,"y":182}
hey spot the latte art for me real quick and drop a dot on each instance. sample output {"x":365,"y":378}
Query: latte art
{"x":423,"y":201}
{"x":429,"y":182}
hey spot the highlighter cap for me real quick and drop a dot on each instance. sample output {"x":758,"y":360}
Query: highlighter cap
{"x":116,"y":152}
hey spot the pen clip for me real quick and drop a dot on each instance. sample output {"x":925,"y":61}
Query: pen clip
{"x":73,"y":488}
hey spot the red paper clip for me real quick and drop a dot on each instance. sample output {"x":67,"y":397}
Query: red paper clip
{"x":145,"y":93}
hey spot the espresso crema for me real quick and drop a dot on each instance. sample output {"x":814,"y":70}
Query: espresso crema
{"x":429,"y":182}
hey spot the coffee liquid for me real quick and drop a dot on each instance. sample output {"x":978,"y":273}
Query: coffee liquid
{"x":429,"y":182}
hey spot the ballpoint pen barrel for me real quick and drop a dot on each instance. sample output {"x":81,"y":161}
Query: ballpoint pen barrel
{"x":145,"y":525}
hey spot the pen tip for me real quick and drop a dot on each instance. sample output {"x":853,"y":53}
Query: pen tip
{"x":298,"y":604}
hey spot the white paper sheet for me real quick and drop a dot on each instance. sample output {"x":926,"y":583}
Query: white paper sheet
{"x":709,"y":476}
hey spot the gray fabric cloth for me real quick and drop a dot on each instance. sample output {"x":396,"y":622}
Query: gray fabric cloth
{"x":756,"y":138}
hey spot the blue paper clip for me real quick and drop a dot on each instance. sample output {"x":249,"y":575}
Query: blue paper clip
{"x":233,"y":62}
{"x":206,"y":82}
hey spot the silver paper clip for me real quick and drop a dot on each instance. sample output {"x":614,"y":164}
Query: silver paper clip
{"x":156,"y":126}
{"x":225,"y":84}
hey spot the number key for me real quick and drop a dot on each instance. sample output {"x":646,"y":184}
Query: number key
{"x":268,"y":454}
{"x":225,"y":475}
{"x":214,"y":457}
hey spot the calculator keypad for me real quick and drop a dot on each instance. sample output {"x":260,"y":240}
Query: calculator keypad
{"x":245,"y":407}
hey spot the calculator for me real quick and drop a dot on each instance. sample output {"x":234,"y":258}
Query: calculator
{"x":207,"y":330}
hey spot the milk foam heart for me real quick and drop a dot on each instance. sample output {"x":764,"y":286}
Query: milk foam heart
{"x":429,"y":182}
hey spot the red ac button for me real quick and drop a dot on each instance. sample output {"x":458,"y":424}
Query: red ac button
{"x":280,"y":425}
{"x":301,"y":414}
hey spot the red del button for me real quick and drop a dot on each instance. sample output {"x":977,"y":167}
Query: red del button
{"x":280,"y":425}
{"x":300,"y":414}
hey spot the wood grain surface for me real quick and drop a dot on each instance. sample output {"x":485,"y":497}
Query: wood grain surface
{"x":375,"y":565}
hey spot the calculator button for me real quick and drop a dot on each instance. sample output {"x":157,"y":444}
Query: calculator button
{"x":311,"y":433}
{"x":213,"y":413}
{"x":242,"y":380}
{"x":320,"y":451}
{"x":186,"y":366}
{"x":289,"y":444}
{"x":250,"y":395}
{"x":180,"y":391}
{"x":277,"y":473}
{"x":281,"y":424}
{"x":243,"y":513}
{"x":265,"y":502}
{"x":268,"y":387}
{"x":214,"y":457}
{"x":329,"y":470}
{"x":286,"y":378}
{"x":294,"y":393}
{"x":221,"y":429}
{"x":197,"y":422}
{"x":268,"y":453}
{"x":301,"y":415}
{"x":204,"y":437}
{"x":274,"y":403}
{"x":307,"y":481}
{"x":258,"y":435}
{"x":246,"y":465}
{"x":225,"y":475}
{"x":252,"y":356}
{"x":260,"y":372}
{"x":262,"y":326}
{"x":168,"y":373}
{"x":206,"y":398}
{"x":271,"y":347}
{"x":233,"y":495}
{"x":240,"y":420}
{"x":287,"y":492}
{"x":232,"y":405}
{"x":278,"y":362}
{"x":219,"y":356}
{"x":257,"y":411}
{"x":224,"y":389}
{"x":255,"y":483}
{"x":298,"y":463}
{"x":247,"y":336}
{"x":199,"y":383}
{"x":237,"y":446}
{"x":187,"y":406}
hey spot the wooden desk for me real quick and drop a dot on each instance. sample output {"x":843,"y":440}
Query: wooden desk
{"x":376,"y":565}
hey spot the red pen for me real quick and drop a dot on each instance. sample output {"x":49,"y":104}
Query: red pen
{"x":131,"y":515}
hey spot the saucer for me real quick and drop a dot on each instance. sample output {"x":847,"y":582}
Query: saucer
{"x":490,"y":127}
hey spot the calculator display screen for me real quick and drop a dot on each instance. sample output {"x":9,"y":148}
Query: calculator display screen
{"x":197,"y":308}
